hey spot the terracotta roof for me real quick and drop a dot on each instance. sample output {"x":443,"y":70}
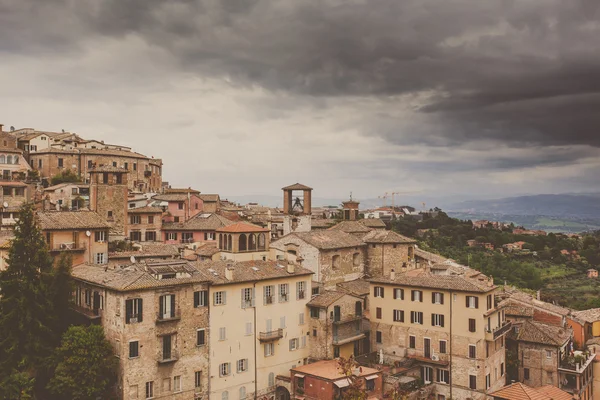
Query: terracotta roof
{"x":516,"y":309}
{"x":519,"y":391}
{"x":372,"y":223}
{"x":554,"y":393}
{"x":324,"y":239}
{"x":426,"y":255}
{"x":242,"y":227}
{"x":383,"y":236}
{"x":424,"y":279}
{"x":181,"y":190}
{"x":297,"y":186}
{"x":247,"y":271}
{"x":591,"y":315}
{"x":209,"y":198}
{"x":147,"y":251}
{"x":207,"y":249}
{"x":325,"y":299}
{"x":64,"y":220}
{"x":172,"y":196}
{"x":330,"y":370}
{"x":321,"y":223}
{"x":199,"y":222}
{"x":108,"y":168}
{"x":350,"y":227}
{"x":536,"y":332}
{"x":145,"y":210}
{"x":526,"y":298}
{"x":357,"y":287}
{"x":62,"y":185}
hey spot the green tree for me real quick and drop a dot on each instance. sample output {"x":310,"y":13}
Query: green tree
{"x":27,"y":314}
{"x":86,"y":366}
{"x":355,"y":390}
{"x":65,"y":176}
{"x":61,"y":290}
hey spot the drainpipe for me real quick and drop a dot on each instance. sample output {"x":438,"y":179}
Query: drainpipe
{"x":450,"y":341}
{"x":255,"y":346}
{"x":208,"y":341}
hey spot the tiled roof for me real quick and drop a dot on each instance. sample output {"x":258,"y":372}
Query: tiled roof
{"x":372,"y":223}
{"x":247,"y":271}
{"x":325,"y":239}
{"x":330,"y":370}
{"x":357,"y":287}
{"x":63,"y":185}
{"x":297,"y":186}
{"x":325,"y":299}
{"x":523,"y":297}
{"x":108,"y":168}
{"x":554,"y":393}
{"x":520,"y":391}
{"x":435,"y":258}
{"x":147,"y":251}
{"x":350,"y":227}
{"x":207,"y":249}
{"x":424,"y":279}
{"x":591,"y":315}
{"x":384,"y":236}
{"x":172,"y":196}
{"x":145,"y":210}
{"x":242,"y":227}
{"x":181,"y":190}
{"x":111,"y":152}
{"x":516,"y":309}
{"x":199,"y":222}
{"x":536,"y":332}
{"x":61,"y":220}
{"x":209,"y":197}
{"x":321,"y":223}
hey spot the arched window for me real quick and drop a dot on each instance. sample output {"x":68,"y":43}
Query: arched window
{"x":243,"y":246}
{"x":335,"y":262}
{"x":271,"y":379}
{"x":251,"y":242}
{"x":9,"y":159}
{"x":411,"y":252}
{"x":242,"y":392}
{"x":220,"y":241}
{"x":229,"y":242}
{"x":2,"y":159}
{"x":356,"y":259}
{"x":261,"y":241}
{"x":225,"y":395}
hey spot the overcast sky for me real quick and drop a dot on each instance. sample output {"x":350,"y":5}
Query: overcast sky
{"x":472,"y":97}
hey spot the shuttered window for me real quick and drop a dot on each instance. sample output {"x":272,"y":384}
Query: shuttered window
{"x":399,"y":293}
{"x":201,"y":298}
{"x":133,"y":311}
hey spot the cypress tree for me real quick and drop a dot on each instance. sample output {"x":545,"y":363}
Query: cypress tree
{"x":62,"y":289}
{"x":27,"y":314}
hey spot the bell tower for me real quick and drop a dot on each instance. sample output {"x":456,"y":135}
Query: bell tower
{"x":297,"y":210}
{"x":108,"y":197}
{"x":350,"y":209}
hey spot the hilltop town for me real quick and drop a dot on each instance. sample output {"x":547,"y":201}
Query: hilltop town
{"x":203,"y":298}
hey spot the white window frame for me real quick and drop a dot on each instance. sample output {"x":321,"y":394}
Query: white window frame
{"x":444,"y":376}
{"x":417,"y":296}
{"x":171,"y":235}
{"x":269,"y":349}
{"x":219,"y":298}
{"x":197,"y":331}
{"x":269,"y":294}
{"x":437,"y":320}
{"x":177,"y":384}
{"x":222,"y":333}
{"x":472,"y":301}
{"x":437,"y":298}
{"x":294,"y":344}
{"x":548,"y":353}
{"x":224,"y":369}
{"x":284,"y":292}
{"x":247,"y":297}
{"x":301,"y":318}
{"x":150,"y":390}
{"x":100,"y":258}
{"x":379,"y":291}
{"x":417,"y":317}
{"x":398,"y":315}
{"x":242,"y":365}
{"x":300,"y":290}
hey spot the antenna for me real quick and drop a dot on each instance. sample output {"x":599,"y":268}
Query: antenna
{"x":5,"y":204}
{"x":88,"y":233}
{"x":132,"y":259}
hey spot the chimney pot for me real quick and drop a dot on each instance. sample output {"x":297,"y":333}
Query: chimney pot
{"x":393,"y":274}
{"x":291,"y":268}
{"x":229,"y":273}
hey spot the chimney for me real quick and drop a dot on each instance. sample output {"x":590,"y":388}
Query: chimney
{"x":291,"y":268}
{"x":538,"y":295}
{"x":393,"y":274}
{"x":229,"y":273}
{"x":1,"y":127}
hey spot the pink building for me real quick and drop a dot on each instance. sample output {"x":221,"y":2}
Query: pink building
{"x":200,"y":228}
{"x":180,"y":204}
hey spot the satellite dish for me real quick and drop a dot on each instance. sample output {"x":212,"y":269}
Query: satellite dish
{"x":88,"y":233}
{"x":5,"y":204}
{"x":132,"y":259}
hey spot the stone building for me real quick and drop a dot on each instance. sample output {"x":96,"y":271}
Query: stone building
{"x":243,"y":242}
{"x":84,"y":234}
{"x":144,"y":224}
{"x":258,"y":325}
{"x":180,"y":204}
{"x":108,"y":197}
{"x":156,"y":316}
{"x":352,"y":227}
{"x":333,"y":255}
{"x":211,"y":203}
{"x":387,"y":250}
{"x":145,"y":251}
{"x":69,"y":196}
{"x":338,"y":326}
{"x":200,"y":228}
{"x":12,"y":196}
{"x":448,"y":323}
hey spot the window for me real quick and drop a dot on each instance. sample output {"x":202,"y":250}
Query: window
{"x":200,"y":337}
{"x":502,"y":369}
{"x":135,"y":219}
{"x":248,"y":328}
{"x":134,"y":166}
{"x":100,"y":236}
{"x":301,"y":318}
{"x":314,"y":332}
{"x":526,"y":373}
{"x":378,"y":291}
{"x":284,"y":290}
{"x":442,"y":347}
{"x":437,"y":320}
{"x":171,"y":235}
{"x":427,"y":374}
{"x":90,"y":164}
{"x":294,"y":344}
{"x":177,"y":383}
{"x":437,"y":298}
{"x":269,"y":349}
{"x":225,"y":395}
{"x":489,"y":302}
{"x":40,"y":160}
{"x":180,"y":205}
{"x":109,"y":214}
{"x":135,"y":236}
{"x":149,"y":390}
{"x":443,"y":376}
{"x":134,"y":349}
{"x":271,"y":379}
{"x":303,"y":342}
{"x":300,"y":290}
{"x":548,"y":353}
{"x":399,"y":315}
{"x":166,"y":306}
{"x":187,"y":237}
{"x":268,"y":294}
{"x":412,"y":342}
{"x":416,"y":317}
{"x":398,"y":293}
{"x":416,"y":295}
{"x":222,"y":333}
{"x":60,"y":163}
{"x":282,"y":322}
{"x":242,"y":392}
{"x":198,"y":381}
{"x":314,"y":312}
{"x":150,"y":219}
{"x":472,"y":327}
{"x":247,"y":297}
{"x":201,"y":298}
{"x":378,"y":337}
{"x":472,"y":351}
{"x":224,"y":369}
{"x":242,"y":365}
{"x":488,"y":381}
{"x":473,"y":382}
{"x":126,"y":165}
{"x":220,"y":298}
{"x":314,"y":291}
{"x":378,"y":312}
{"x":370,"y":385}
{"x":472,"y":302}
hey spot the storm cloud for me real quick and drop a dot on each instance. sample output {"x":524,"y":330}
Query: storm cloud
{"x":428,"y":79}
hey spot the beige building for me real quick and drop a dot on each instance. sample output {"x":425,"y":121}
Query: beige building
{"x":387,"y":250}
{"x":243,"y":242}
{"x":258,"y":325}
{"x":446,"y":322}
{"x":84,"y":234}
{"x":156,"y":316}
{"x":14,"y":194}
{"x":67,"y":196}
{"x":144,"y":224}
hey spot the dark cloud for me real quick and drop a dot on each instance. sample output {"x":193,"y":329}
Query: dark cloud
{"x":523,"y":73}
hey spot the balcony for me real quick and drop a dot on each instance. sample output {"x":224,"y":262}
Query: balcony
{"x":576,"y":364}
{"x":187,"y":240}
{"x":498,"y":331}
{"x":350,"y":335}
{"x":270,"y":336}
{"x":175,"y":315}
{"x":89,"y":313}
{"x":70,"y":246}
{"x":168,"y":358}
{"x":347,"y":319}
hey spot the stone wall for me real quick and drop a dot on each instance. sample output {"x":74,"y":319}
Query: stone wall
{"x":542,"y":370}
{"x":381,"y":258}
